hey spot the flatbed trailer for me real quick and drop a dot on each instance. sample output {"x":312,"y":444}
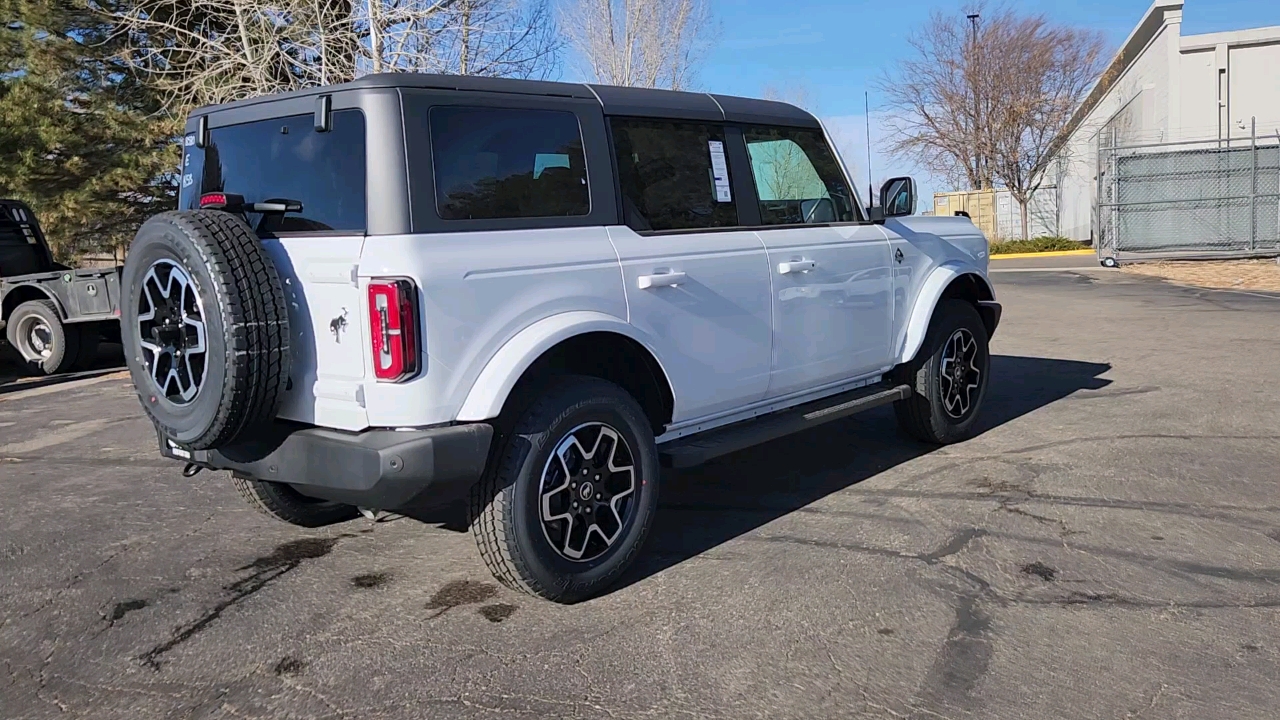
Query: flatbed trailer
{"x":54,"y":316}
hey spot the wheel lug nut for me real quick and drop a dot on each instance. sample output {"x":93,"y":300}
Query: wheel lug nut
{"x":598,"y":496}
{"x":597,"y":477}
{"x":588,"y":509}
{"x":575,"y":505}
{"x":573,"y":486}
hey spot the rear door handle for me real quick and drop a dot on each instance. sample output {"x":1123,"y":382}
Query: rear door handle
{"x":796,"y":266}
{"x":660,"y":280}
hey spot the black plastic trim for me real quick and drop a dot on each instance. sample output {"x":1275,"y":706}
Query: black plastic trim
{"x":383,"y":469}
{"x":990,"y":310}
{"x":698,"y":449}
{"x":751,"y":228}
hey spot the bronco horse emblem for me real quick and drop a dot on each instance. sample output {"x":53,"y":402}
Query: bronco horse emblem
{"x":337,"y":325}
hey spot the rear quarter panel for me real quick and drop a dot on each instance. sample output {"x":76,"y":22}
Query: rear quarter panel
{"x":477,"y":290}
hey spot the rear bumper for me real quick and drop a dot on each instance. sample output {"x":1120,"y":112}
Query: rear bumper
{"x":382,"y":469}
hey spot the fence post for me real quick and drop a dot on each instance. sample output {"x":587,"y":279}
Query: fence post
{"x":1253,"y":184}
{"x":1114,"y":215}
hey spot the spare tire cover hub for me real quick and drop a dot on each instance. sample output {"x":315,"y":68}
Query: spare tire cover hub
{"x":171,"y":332}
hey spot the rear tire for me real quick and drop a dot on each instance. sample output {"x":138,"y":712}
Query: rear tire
{"x":948,"y":376}
{"x":570,"y":493}
{"x":36,"y":331}
{"x":284,"y":503}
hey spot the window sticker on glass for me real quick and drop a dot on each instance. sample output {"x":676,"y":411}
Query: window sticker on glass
{"x":719,"y":171}
{"x":542,"y":161}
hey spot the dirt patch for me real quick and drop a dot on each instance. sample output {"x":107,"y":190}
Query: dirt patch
{"x":460,"y":592}
{"x":371,"y":580}
{"x":1262,"y":274}
{"x":497,"y":612}
{"x":1040,"y":570}
{"x":288,"y":665}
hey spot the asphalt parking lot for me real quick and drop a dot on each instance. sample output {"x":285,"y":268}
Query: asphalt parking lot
{"x":1109,"y":547}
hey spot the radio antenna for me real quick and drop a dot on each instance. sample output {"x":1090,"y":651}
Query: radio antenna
{"x":866,"y":108}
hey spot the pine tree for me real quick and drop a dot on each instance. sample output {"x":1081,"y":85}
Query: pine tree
{"x":81,"y":140}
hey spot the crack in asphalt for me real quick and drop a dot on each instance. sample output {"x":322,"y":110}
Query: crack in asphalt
{"x":68,"y":585}
{"x":966,"y":653}
{"x":268,"y":569}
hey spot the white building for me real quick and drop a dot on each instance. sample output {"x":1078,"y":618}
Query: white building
{"x":1163,"y":86}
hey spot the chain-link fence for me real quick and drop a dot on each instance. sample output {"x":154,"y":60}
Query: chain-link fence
{"x":1213,"y":198}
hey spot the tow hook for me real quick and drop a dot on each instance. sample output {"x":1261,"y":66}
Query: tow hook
{"x":190,"y":470}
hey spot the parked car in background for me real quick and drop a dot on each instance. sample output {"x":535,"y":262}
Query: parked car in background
{"x":54,"y":316}
{"x":536,"y":295}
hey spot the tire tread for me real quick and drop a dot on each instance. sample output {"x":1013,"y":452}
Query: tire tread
{"x":492,"y":505}
{"x":67,"y":340}
{"x":252,"y":303}
{"x":284,"y":503}
{"x":917,"y":414}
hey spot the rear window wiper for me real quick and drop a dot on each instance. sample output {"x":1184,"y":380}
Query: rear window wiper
{"x":275,"y":205}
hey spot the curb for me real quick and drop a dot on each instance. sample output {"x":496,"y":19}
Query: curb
{"x":1055,"y":253}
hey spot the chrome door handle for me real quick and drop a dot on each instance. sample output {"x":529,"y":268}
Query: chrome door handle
{"x":796,"y":266}
{"x":660,"y":280}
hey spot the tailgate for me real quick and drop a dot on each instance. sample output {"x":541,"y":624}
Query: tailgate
{"x":327,"y":327}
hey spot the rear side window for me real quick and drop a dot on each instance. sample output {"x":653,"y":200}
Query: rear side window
{"x":492,"y":163}
{"x":797,"y":178}
{"x":673,"y":175}
{"x":285,"y":158}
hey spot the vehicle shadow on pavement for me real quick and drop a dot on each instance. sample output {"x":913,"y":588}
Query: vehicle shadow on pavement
{"x":15,"y":376}
{"x":705,"y":507}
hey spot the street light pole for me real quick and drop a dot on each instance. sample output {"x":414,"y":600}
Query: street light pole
{"x":977,"y":108}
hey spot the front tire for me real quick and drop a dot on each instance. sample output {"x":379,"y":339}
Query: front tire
{"x":948,"y":377}
{"x":572,"y":492}
{"x":36,"y":331}
{"x":284,"y":503}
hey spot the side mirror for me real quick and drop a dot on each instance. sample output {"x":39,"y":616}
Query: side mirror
{"x":898,"y":197}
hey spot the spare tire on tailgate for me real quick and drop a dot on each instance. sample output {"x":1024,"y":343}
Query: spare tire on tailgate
{"x":205,"y":327}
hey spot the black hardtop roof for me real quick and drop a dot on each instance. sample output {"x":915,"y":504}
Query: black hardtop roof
{"x":630,"y":101}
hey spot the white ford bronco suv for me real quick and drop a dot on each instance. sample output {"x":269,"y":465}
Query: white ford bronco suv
{"x":537,"y":295}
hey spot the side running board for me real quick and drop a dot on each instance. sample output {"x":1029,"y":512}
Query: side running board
{"x":697,"y":449}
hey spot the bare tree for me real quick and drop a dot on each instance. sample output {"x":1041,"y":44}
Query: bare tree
{"x":935,"y":102}
{"x":985,"y":102}
{"x":218,"y":50}
{"x":1046,"y":72}
{"x":639,"y":43}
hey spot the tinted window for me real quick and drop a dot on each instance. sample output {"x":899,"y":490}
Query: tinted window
{"x":673,"y":175}
{"x":285,"y":158}
{"x":797,"y":178}
{"x":492,"y":163}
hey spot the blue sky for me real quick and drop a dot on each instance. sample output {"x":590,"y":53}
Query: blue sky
{"x":835,"y":50}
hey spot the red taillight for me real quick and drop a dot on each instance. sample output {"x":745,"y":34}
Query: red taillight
{"x":393,"y":329}
{"x":213,"y":200}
